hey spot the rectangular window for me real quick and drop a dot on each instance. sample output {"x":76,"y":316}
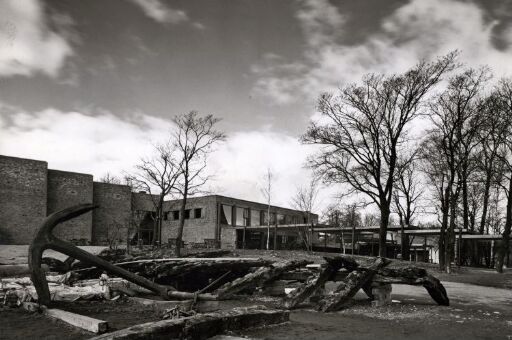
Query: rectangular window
{"x":187,"y":214}
{"x":175,"y":215}
{"x":263,"y":217}
{"x":280,"y":219}
{"x":198,"y":212}
{"x":247,"y":217}
{"x":239,"y":218}
{"x":166,"y":215}
{"x":226,"y":213}
{"x":288,"y":219}
{"x":272,"y":218}
{"x":242,"y":216}
{"x":255,"y":217}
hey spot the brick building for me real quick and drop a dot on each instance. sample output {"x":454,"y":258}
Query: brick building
{"x":29,"y":191}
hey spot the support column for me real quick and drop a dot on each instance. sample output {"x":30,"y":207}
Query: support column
{"x":425,"y":248}
{"x":353,"y":237}
{"x":275,"y":236}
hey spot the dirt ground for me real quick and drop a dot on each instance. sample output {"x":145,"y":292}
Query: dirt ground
{"x":481,"y":308}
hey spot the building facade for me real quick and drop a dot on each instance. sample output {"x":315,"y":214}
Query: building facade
{"x":29,"y":192}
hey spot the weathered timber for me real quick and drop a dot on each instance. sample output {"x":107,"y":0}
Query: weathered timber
{"x":349,"y":287}
{"x":258,"y":278}
{"x":305,"y":290}
{"x":202,"y":326}
{"x":409,"y":275}
{"x":174,"y":294}
{"x":414,"y":276}
{"x":209,"y":254}
{"x":77,"y":320}
{"x":120,"y":256}
{"x":55,"y":265}
{"x":125,"y":290}
{"x":381,"y":294}
{"x":214,"y":283}
{"x":367,"y":288}
{"x":44,"y":239}
{"x":161,"y":306}
{"x":168,"y":270}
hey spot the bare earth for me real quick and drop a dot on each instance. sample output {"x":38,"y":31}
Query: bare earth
{"x":481,"y":308}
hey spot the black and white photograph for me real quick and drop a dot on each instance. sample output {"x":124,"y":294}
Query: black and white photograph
{"x":255,"y":169}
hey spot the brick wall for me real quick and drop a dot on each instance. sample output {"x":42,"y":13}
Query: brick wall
{"x":195,"y":230}
{"x":66,"y":189}
{"x":23,"y":184}
{"x":112,"y":218}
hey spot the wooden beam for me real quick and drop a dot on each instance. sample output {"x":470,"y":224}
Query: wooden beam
{"x":259,"y":277}
{"x":307,"y":289}
{"x":77,"y":320}
{"x":161,"y":306}
{"x":349,"y":287}
{"x":202,"y":326}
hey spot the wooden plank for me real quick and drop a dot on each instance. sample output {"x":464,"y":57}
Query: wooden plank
{"x":259,"y":277}
{"x":77,"y":320}
{"x":202,"y":326}
{"x":160,"y":305}
{"x":307,"y":289}
{"x":349,"y":287}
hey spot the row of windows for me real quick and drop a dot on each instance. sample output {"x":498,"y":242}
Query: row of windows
{"x":252,"y":217}
{"x":189,"y":213}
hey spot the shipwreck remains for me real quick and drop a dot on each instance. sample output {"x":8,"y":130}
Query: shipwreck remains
{"x":195,"y":279}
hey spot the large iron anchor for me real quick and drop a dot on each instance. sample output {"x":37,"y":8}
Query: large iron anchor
{"x":46,"y":240}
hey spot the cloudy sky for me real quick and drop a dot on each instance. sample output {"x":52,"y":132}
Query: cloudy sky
{"x":87,"y":85}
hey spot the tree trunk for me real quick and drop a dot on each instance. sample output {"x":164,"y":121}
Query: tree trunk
{"x":485,"y":205}
{"x":445,"y":207}
{"x":465,"y":203}
{"x":383,"y":231}
{"x":450,"y":235}
{"x":505,"y":242}
{"x":268,"y":225}
{"x":160,"y":219}
{"x":405,"y":238}
{"x":179,"y":236}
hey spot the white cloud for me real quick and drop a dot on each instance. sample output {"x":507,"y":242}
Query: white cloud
{"x":74,"y":141}
{"x":417,"y":30}
{"x":243,"y":160}
{"x":27,"y":45}
{"x":159,"y":12}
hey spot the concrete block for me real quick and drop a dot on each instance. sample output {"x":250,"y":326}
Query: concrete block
{"x":381,"y":294}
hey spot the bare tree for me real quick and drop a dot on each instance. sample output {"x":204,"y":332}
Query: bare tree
{"x":504,"y":93}
{"x":160,"y":172}
{"x":194,"y":139}
{"x":367,"y":130}
{"x":407,"y":193}
{"x":493,"y":135}
{"x":115,"y":233}
{"x":266,"y":191}
{"x":456,"y":120}
{"x":305,"y":200}
{"x":111,"y":179}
